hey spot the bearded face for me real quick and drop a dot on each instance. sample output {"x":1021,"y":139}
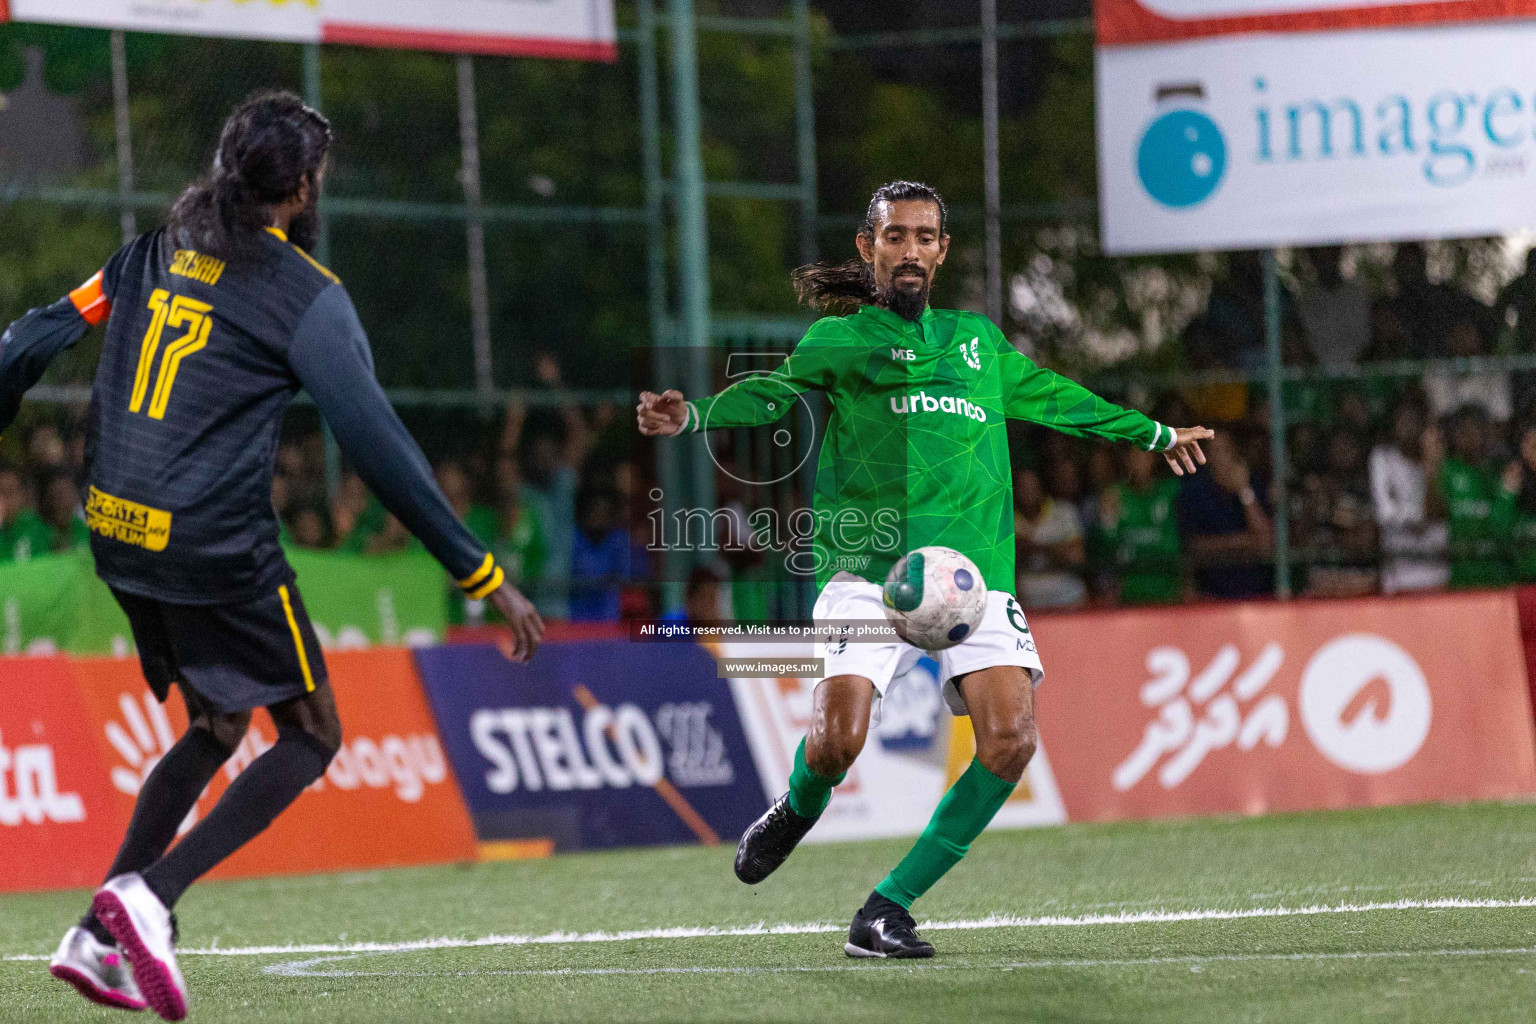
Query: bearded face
{"x":904,"y":248}
{"x":304,"y":229}
{"x":906,"y":292}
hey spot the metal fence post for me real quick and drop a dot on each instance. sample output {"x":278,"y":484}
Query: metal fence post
{"x":693,"y":231}
{"x":797,"y":602}
{"x":474,"y":230}
{"x":1277,"y":455}
{"x":663,"y":365}
{"x":312,"y":96}
{"x":124,"y":136}
{"x":990,"y":171}
{"x":805,"y":130}
{"x":650,"y":163}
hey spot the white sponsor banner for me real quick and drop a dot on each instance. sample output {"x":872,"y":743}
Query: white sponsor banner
{"x":910,"y":757}
{"x":1253,"y":141}
{"x":553,"y":28}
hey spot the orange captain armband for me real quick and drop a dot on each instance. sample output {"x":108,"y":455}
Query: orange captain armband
{"x":91,"y":301}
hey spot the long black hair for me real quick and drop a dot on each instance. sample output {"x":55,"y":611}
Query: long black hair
{"x":844,"y":287}
{"x":270,"y":147}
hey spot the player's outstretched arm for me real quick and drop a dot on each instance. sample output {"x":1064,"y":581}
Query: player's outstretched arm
{"x":1185,"y":453}
{"x":760,"y":398}
{"x":30,"y":344}
{"x":1043,"y":396}
{"x":331,"y":358}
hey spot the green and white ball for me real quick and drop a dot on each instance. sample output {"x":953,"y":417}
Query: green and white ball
{"x":935,"y":598}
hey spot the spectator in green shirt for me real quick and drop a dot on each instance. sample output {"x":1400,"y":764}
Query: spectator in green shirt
{"x":1522,"y":473}
{"x":1136,"y":532}
{"x":306,"y":527}
{"x":518,"y":541}
{"x":61,"y":512}
{"x":366,"y":535}
{"x":482,"y":521}
{"x":1479,"y":504}
{"x":23,"y":534}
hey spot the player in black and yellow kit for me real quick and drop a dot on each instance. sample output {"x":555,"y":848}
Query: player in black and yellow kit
{"x":214,"y":323}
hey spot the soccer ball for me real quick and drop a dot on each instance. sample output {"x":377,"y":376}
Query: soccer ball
{"x":935,"y":598}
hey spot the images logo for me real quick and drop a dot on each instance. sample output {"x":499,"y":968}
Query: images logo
{"x":1182,"y":155}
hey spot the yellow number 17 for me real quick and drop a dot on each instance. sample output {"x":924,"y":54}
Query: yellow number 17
{"x":176,"y":312}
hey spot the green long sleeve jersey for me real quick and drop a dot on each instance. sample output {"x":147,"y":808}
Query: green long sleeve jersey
{"x":916,"y":450}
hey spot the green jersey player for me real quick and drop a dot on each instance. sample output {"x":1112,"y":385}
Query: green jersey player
{"x":916,"y":453}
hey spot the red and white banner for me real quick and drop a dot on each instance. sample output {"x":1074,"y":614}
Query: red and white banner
{"x":581,"y":29}
{"x":79,"y":737}
{"x":1231,"y":124}
{"x":60,"y":822}
{"x":1284,"y":707}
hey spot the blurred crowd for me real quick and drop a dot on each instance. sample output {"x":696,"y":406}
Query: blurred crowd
{"x":546,"y":489}
{"x":1395,"y":481}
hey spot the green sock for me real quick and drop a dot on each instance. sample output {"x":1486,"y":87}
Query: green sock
{"x":809,"y":792}
{"x":965,"y":810}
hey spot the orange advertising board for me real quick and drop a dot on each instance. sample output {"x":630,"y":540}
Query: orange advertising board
{"x":1275,"y":707}
{"x":388,"y":798}
{"x":59,"y":821}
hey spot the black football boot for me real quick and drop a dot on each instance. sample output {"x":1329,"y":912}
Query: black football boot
{"x":883,"y":928}
{"x":769,"y":841}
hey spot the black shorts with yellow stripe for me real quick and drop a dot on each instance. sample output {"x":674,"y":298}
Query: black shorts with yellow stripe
{"x":234,"y":657}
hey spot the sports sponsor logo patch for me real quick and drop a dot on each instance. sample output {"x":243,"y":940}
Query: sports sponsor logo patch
{"x":127,"y":521}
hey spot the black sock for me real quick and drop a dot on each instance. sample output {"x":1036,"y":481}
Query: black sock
{"x":163,"y":802}
{"x":260,"y":793}
{"x":878,"y":905}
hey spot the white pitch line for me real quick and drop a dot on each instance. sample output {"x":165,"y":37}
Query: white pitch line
{"x":306,"y":968}
{"x":823,"y":928}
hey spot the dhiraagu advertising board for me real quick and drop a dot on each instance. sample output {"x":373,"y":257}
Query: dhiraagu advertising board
{"x":1238,"y":132}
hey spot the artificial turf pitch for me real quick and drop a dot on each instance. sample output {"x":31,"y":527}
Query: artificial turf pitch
{"x":1115,"y":929}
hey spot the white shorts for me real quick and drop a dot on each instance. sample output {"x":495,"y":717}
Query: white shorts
{"x":1003,"y":639}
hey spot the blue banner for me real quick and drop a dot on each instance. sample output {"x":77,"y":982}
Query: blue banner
{"x":594,"y":743}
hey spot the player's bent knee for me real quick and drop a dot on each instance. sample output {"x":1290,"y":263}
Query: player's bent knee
{"x":311,"y":719}
{"x":227,"y":730}
{"x":324,"y":742}
{"x":1005,"y":750}
{"x":325,"y":729}
{"x":839,"y":724}
{"x":830,"y":755}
